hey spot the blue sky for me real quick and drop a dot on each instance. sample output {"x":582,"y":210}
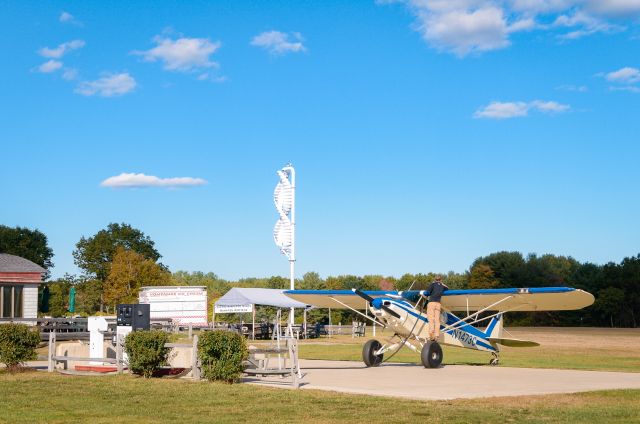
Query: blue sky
{"x":424,"y":133}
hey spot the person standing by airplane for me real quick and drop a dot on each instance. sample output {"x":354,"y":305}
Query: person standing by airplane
{"x":433,"y":307}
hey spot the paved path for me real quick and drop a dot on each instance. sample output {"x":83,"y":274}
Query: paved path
{"x":450,"y":382}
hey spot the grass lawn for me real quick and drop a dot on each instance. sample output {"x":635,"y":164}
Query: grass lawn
{"x":37,"y":397}
{"x":569,"y":348}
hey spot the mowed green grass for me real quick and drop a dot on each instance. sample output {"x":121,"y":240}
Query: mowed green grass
{"x":38,"y":397}
{"x":568,"y":348}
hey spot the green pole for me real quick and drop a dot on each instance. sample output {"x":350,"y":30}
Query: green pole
{"x":72,"y":300}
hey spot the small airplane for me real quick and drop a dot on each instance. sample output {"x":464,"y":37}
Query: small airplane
{"x":404,"y":313}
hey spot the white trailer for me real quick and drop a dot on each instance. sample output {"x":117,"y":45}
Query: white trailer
{"x":184,"y":305}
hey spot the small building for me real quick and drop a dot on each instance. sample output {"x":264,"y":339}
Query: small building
{"x":19,"y":280}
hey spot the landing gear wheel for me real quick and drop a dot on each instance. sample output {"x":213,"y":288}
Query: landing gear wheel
{"x":431,"y":355}
{"x":369,"y":353}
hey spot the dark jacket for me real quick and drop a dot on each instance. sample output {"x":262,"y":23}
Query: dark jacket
{"x":435,"y":291}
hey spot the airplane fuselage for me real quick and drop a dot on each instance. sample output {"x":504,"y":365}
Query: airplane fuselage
{"x":414,"y":322}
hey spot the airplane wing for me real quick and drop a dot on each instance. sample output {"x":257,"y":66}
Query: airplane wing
{"x":338,"y":299}
{"x":508,"y":299}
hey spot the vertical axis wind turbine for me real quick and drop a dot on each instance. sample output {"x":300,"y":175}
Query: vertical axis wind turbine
{"x":284,"y":197}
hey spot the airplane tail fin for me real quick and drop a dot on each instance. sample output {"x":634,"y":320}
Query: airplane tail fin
{"x":494,"y":329}
{"x":494,"y":335}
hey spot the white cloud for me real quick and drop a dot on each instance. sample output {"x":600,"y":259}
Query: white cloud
{"x":474,"y":26}
{"x":549,"y":107}
{"x":534,"y":7}
{"x":586,"y":23}
{"x":66,"y":17}
{"x":506,"y":110}
{"x":626,"y":75}
{"x":463,"y":31}
{"x":502,"y":110}
{"x":276,"y":42}
{"x":49,"y":66}
{"x":614,"y":8}
{"x":108,"y":86}
{"x":183,"y":54}
{"x":131,"y":180}
{"x":630,"y":88}
{"x":62,"y":49}
{"x":70,"y":74}
{"x":569,"y":87}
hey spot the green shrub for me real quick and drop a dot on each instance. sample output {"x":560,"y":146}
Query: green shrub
{"x":222,"y":354}
{"x":18,"y":344}
{"x":146,"y":351}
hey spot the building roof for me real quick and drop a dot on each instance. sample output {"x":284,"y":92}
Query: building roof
{"x":13,"y":263}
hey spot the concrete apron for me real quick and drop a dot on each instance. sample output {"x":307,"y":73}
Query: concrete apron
{"x":450,"y":382}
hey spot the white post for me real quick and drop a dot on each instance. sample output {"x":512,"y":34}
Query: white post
{"x":52,"y":351}
{"x":284,"y":233}
{"x":119,"y":354}
{"x":304,"y":322}
{"x":195,"y":370}
{"x":292,"y":258}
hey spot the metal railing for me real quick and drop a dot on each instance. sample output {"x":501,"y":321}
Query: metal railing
{"x":119,"y":361}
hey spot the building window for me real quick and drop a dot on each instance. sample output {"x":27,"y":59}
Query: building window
{"x":11,"y":301}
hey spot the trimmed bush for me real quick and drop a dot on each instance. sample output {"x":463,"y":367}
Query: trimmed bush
{"x":18,"y":344}
{"x":146,"y":351}
{"x":222,"y":354}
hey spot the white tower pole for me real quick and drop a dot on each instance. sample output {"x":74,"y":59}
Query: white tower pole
{"x":292,"y":258}
{"x":284,"y":231}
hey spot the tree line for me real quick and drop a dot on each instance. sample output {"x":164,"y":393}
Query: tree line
{"x":119,"y":259}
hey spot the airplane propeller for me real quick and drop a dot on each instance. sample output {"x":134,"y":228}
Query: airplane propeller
{"x":371,"y":299}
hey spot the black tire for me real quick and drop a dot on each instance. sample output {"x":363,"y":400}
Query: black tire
{"x":431,"y":355}
{"x":368,"y":353}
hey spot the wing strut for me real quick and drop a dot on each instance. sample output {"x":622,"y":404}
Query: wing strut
{"x":463,"y":321}
{"x":358,"y":312}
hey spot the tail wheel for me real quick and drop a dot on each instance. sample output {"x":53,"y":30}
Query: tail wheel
{"x":369,"y":353}
{"x":431,"y":355}
{"x":495,"y":360}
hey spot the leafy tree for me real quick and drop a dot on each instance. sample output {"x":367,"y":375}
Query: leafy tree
{"x":387,"y":284}
{"x":415,"y":281}
{"x":215,"y":285}
{"x":59,"y":298}
{"x":549,"y":270}
{"x":482,"y":277}
{"x":89,"y":296}
{"x":609,"y":301}
{"x":129,"y":272}
{"x":95,"y":254}
{"x":310,"y":281}
{"x":251,"y":282}
{"x":454,"y":280}
{"x":277,"y":282}
{"x":29,"y":244}
{"x":508,"y":268}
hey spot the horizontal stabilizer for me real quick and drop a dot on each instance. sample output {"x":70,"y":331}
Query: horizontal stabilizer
{"x":513,"y":342}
